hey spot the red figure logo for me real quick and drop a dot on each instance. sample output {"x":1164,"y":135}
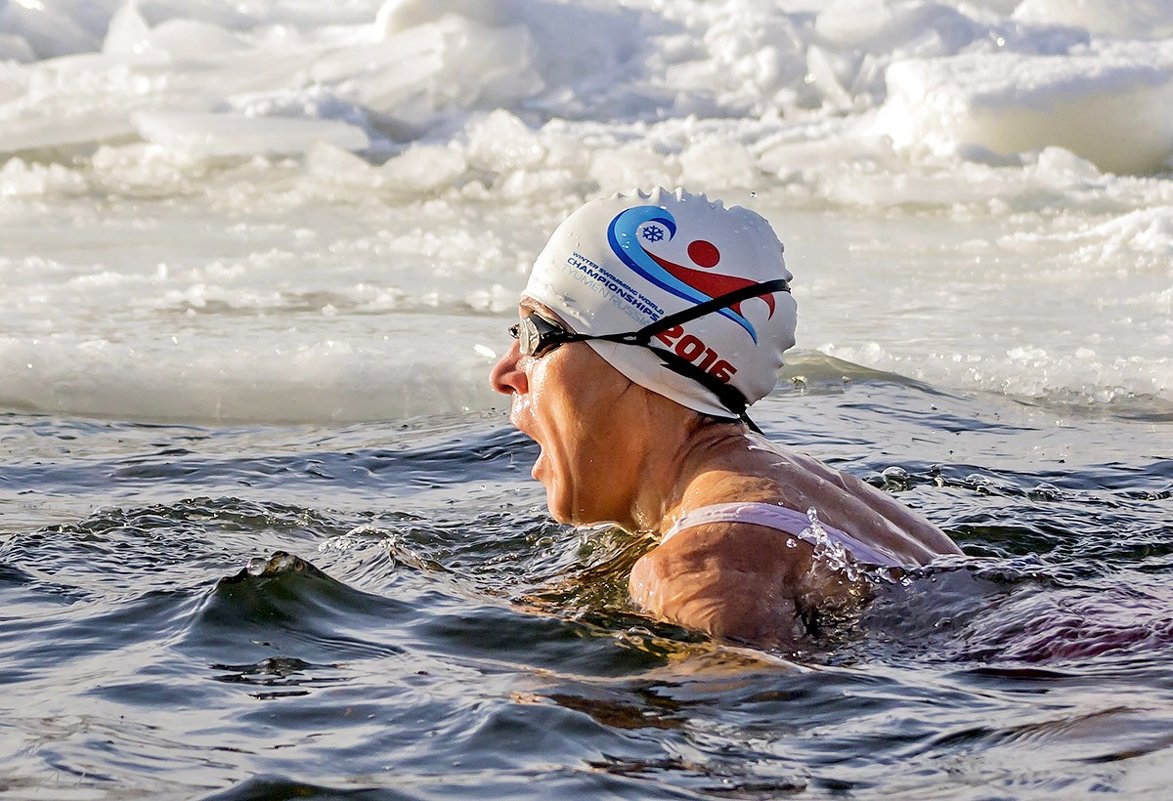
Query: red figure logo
{"x":705,"y":254}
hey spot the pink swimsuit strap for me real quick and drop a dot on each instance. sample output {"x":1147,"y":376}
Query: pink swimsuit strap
{"x":788,"y":521}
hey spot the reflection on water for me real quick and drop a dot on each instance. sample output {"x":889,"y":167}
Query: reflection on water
{"x":386,"y":612}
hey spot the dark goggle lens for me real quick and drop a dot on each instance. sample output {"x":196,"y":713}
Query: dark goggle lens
{"x":538,"y":335}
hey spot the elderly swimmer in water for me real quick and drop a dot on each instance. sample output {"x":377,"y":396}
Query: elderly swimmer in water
{"x":649,"y":324}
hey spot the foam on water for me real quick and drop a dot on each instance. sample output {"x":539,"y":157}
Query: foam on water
{"x":239,"y":211}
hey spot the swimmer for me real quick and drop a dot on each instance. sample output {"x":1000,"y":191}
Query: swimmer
{"x":649,"y":324}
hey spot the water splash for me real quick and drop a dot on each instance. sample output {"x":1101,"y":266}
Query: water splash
{"x":828,"y":551}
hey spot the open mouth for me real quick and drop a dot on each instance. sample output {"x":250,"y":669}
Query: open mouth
{"x":515,"y":421}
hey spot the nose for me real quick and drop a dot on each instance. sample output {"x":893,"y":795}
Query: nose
{"x":507,"y":377}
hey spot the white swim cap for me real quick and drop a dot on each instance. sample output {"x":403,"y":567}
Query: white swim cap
{"x":656,"y":262}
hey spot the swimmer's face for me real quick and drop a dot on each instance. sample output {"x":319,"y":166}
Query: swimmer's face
{"x":574,"y":405}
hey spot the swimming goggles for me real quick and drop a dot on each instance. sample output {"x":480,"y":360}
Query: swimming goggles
{"x":538,"y":336}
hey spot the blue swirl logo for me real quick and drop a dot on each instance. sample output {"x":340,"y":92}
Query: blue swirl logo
{"x":631,"y":228}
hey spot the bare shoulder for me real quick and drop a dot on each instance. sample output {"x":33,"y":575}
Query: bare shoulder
{"x":851,"y":504}
{"x":771,"y":473}
{"x":736,"y":581}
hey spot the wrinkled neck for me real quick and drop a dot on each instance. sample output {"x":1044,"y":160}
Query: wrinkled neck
{"x":676,"y":458}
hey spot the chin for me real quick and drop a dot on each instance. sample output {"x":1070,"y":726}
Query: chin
{"x":563,"y":511}
{"x":566,"y":505}
{"x":567,"y":515}
{"x":559,"y":517}
{"x":556,"y":506}
{"x":554,"y":510}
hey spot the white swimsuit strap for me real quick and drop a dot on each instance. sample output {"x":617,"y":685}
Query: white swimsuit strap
{"x":788,"y":521}
{"x":758,"y":514}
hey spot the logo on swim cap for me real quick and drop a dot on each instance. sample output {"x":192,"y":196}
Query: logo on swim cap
{"x":653,"y":224}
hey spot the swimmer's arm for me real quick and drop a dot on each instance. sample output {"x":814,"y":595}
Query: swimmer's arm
{"x":732,"y":581}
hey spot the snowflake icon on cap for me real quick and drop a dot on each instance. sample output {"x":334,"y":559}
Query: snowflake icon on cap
{"x":652,"y":233}
{"x":698,"y":283}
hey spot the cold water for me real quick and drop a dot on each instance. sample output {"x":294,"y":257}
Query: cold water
{"x":265,"y":531}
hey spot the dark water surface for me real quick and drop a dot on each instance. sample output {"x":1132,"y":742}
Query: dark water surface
{"x":383,"y":611}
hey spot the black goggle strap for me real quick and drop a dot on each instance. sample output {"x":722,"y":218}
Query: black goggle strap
{"x":729,"y":396}
{"x":645,"y":334}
